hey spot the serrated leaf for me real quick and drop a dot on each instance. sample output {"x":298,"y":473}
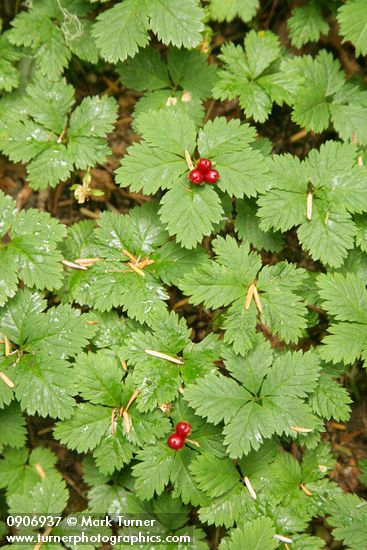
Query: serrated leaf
{"x":49,"y":102}
{"x":85,"y":429}
{"x":121,"y":30}
{"x":348,"y":514}
{"x":190,"y":213}
{"x":176,"y":23}
{"x":245,"y":9}
{"x":353,"y":24}
{"x":153,"y":471}
{"x":44,"y":386}
{"x":100,"y":378}
{"x":247,"y":227}
{"x":257,"y":534}
{"x":59,"y":165}
{"x":330,"y":399}
{"x":13,"y":431}
{"x":49,"y":496}
{"x":306,"y":24}
{"x":214,"y":476}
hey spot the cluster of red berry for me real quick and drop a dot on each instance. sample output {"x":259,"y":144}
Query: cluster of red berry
{"x":177,"y":440}
{"x":204,"y":172}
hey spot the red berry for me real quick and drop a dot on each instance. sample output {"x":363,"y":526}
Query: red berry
{"x":175,"y":442}
{"x":211,"y":176}
{"x":196,"y":176}
{"x":204,"y":164}
{"x":183,"y":429}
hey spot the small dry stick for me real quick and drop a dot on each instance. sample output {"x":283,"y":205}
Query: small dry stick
{"x":161,"y":355}
{"x":6,"y":380}
{"x":132,"y":399}
{"x":188,"y":160}
{"x":297,"y":136}
{"x":249,"y":295}
{"x":73,"y":265}
{"x":144,"y":263}
{"x":305,"y":490}
{"x":129,"y":255}
{"x":40,"y":471}
{"x":283,"y":539}
{"x":113,"y":425}
{"x":7,"y":346}
{"x":301,"y":430}
{"x":250,"y":487}
{"x":309,"y":206}
{"x":87,"y":262}
{"x":257,"y":300}
{"x":43,"y":537}
{"x":136,"y":269}
{"x":123,"y":364}
{"x":126,"y":420}
{"x":193,"y":442}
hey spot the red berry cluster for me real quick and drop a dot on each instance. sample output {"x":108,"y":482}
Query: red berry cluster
{"x":177,"y":440}
{"x":204,"y":172}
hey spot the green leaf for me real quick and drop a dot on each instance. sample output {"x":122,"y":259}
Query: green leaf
{"x":52,"y":54}
{"x":85,"y":429}
{"x":48,"y":103}
{"x":13,"y":431}
{"x":257,"y":534}
{"x":176,"y":23}
{"x":59,"y":166}
{"x":294,"y":374}
{"x":100,"y":378}
{"x":348,"y":514}
{"x":31,"y":254}
{"x":44,"y":387}
{"x":330,"y":399}
{"x":145,"y":71}
{"x":245,"y":9}
{"x":353,"y":24}
{"x":344,"y":297}
{"x":49,"y":496}
{"x":306,"y":24}
{"x":215,"y":476}
{"x":121,"y":30}
{"x":94,"y":116}
{"x":247,"y":227}
{"x":190,"y":212}
{"x":262,"y":49}
{"x":153,"y":470}
{"x":241,"y":168}
{"x":113,"y":452}
{"x":205,"y":395}
{"x":184,"y":484}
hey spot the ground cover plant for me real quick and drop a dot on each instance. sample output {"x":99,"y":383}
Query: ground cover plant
{"x":183,"y":271}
